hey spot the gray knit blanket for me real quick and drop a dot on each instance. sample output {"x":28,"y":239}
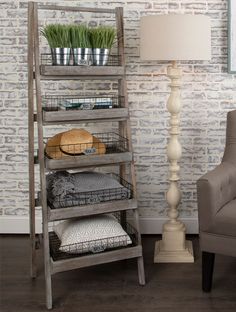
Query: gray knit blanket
{"x":66,"y":189}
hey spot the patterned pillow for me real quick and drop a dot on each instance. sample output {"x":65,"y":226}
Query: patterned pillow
{"x":91,"y":234}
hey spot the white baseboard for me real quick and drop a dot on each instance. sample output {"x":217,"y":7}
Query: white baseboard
{"x":20,"y":225}
{"x":154,"y":225}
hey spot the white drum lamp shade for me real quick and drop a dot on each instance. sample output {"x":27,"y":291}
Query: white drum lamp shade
{"x":175,"y":37}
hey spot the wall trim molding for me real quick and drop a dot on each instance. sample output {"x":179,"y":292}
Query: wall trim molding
{"x":154,"y":225}
{"x":20,"y":225}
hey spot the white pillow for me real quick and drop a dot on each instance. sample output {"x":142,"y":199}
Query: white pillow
{"x":91,"y":234}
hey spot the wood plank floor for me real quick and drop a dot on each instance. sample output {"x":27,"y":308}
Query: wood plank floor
{"x":114,"y":287}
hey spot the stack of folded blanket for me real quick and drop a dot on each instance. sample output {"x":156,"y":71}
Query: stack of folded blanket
{"x":73,"y":189}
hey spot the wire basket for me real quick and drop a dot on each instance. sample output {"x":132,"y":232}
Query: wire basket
{"x":81,"y":249}
{"x":104,"y":143}
{"x":125,"y":191}
{"x":80,"y":102}
{"x":56,"y":59}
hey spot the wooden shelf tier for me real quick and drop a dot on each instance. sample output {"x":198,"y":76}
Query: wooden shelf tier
{"x":75,"y":9}
{"x":96,"y":115}
{"x":92,"y":72}
{"x":94,"y":209}
{"x":95,"y":259}
{"x":88,"y":161}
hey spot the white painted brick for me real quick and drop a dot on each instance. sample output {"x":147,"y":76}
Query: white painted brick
{"x":208,"y":93}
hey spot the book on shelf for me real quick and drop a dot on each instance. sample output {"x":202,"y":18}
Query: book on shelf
{"x":86,"y":103}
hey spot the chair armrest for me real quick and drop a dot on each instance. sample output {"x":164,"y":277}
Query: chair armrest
{"x":214,"y":190}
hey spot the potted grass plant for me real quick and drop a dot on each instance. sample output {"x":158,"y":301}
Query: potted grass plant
{"x":58,"y":37}
{"x":102,"y":39}
{"x":80,"y":44}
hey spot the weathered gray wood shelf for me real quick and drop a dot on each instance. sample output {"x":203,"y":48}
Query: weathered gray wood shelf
{"x":86,"y":210}
{"x":95,"y":259}
{"x":103,"y":72}
{"x":87,"y":161}
{"x":96,"y":115}
{"x":122,"y":157}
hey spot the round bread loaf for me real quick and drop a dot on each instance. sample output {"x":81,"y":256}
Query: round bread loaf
{"x":100,"y":147}
{"x":75,"y":141}
{"x":53,"y":147}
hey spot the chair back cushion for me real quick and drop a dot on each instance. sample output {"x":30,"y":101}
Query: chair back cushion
{"x":230,"y":148}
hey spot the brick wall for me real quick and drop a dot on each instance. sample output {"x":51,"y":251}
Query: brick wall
{"x":208,"y":92}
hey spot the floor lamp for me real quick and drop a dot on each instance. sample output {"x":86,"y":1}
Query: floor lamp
{"x":174,"y":37}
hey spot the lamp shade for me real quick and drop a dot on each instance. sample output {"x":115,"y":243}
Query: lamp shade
{"x":175,"y":37}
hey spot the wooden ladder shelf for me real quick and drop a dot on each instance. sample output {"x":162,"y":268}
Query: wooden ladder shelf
{"x":124,"y":160}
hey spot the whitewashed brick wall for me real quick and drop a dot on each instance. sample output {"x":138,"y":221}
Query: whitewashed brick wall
{"x":208,"y":93}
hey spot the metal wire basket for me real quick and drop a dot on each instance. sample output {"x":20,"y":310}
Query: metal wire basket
{"x":125,"y":191}
{"x":56,"y":59}
{"x":81,"y":249}
{"x":105,"y":143}
{"x":81,"y":102}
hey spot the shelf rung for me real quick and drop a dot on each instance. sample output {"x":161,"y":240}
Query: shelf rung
{"x":38,"y":200}
{"x":75,"y":9}
{"x":86,"y":210}
{"x":36,"y":159}
{"x":63,"y":72}
{"x":95,"y":259}
{"x":88,"y":161}
{"x":88,"y":77}
{"x":86,"y":115}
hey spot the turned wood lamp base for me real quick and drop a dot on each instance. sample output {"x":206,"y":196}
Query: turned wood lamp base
{"x":173,"y":256}
{"x":173,"y":247}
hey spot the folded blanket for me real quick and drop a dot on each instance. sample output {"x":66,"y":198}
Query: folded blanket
{"x":65,"y":189}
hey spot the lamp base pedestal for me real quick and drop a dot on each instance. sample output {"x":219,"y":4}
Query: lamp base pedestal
{"x":173,"y":248}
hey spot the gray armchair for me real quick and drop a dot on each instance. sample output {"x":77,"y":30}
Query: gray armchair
{"x":216,"y":193}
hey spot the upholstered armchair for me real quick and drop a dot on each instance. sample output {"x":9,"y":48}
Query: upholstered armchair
{"x":216,"y":193}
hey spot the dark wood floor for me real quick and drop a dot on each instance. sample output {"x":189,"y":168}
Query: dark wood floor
{"x":114,"y":287}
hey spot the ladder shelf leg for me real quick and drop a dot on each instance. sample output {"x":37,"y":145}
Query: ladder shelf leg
{"x":141,"y":272}
{"x":33,"y":267}
{"x":47,"y":269}
{"x":47,"y":260}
